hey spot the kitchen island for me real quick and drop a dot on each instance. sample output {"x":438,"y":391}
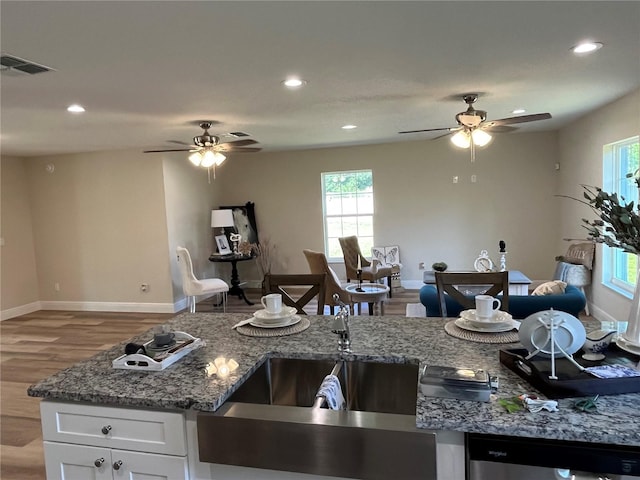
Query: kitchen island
{"x":186,"y":386}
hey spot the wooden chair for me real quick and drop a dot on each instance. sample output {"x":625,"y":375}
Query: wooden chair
{"x":318,"y":264}
{"x":450,"y":283}
{"x":370,"y":271}
{"x":315,"y":283}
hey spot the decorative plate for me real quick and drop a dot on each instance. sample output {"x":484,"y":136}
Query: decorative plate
{"x":287,"y":322}
{"x":267,"y":317}
{"x":498,"y":318}
{"x":465,"y":324}
{"x":535,"y":333}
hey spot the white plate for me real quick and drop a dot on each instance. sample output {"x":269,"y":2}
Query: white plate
{"x":570,"y":334}
{"x":265,"y":316}
{"x":487,"y":328}
{"x":498,"y":318}
{"x":287,"y":322}
{"x":626,"y":346}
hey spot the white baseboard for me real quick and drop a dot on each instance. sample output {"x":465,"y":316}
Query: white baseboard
{"x":110,"y":307}
{"x":600,"y":314}
{"x":412,"y":284}
{"x":21,"y":310}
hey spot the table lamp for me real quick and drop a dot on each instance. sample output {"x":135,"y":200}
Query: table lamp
{"x":222,"y":219}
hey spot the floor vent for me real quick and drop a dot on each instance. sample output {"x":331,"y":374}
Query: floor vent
{"x":10,"y":63}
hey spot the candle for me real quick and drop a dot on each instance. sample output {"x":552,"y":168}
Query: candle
{"x":359,"y":263}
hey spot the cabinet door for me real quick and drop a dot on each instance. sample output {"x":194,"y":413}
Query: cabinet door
{"x":76,"y":462}
{"x":146,"y":466}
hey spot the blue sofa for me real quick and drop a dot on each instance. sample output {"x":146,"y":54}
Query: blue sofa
{"x":571,"y":301}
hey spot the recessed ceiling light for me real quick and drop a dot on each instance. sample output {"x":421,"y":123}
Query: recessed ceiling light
{"x":75,"y":108}
{"x":349,"y":127}
{"x":586,"y":47}
{"x":518,"y":111}
{"x":294,"y":82}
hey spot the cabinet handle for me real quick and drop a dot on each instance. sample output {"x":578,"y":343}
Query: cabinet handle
{"x":117,"y":465}
{"x":106,"y":429}
{"x":99,"y":462}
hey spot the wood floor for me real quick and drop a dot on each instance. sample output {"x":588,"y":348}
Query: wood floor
{"x":39,"y":344}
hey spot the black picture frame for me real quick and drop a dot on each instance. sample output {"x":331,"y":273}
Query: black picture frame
{"x":244,"y":219}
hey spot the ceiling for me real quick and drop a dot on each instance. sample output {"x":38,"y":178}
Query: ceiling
{"x":148,"y":71}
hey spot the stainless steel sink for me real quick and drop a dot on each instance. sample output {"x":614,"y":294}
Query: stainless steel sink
{"x":366,"y":386}
{"x":272,"y":421}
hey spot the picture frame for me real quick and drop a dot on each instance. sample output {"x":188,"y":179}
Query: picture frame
{"x":386,"y":256}
{"x":223,"y":245}
{"x":244,"y":218}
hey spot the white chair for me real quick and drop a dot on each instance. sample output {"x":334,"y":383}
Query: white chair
{"x":192,"y":287}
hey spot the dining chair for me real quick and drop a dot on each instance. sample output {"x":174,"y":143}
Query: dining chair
{"x":318,"y":264}
{"x":453,"y":283}
{"x":370,"y":271}
{"x":286,"y":284}
{"x":193,"y":287}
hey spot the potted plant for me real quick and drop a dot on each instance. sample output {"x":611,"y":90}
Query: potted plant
{"x":618,"y":226}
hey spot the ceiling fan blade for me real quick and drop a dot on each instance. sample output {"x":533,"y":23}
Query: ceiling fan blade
{"x":430,"y":130}
{"x":169,"y":150}
{"x":246,"y":150}
{"x":239,"y":143}
{"x":522,"y":119}
{"x":499,"y":128}
{"x":447,"y":134}
{"x":181,"y":143}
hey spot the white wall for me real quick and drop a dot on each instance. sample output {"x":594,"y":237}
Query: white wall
{"x":581,"y":146}
{"x":19,"y":277}
{"x":417,"y":205}
{"x":100,"y":231}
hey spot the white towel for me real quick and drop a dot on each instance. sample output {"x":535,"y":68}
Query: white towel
{"x":331,"y":391}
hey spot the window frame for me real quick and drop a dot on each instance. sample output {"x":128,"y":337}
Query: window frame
{"x":358,"y":214}
{"x":614,"y":173}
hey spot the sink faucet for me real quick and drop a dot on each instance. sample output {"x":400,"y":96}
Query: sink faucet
{"x":341,"y":325}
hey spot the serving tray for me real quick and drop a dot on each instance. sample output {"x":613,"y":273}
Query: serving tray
{"x":572,"y":382}
{"x":185,"y":344}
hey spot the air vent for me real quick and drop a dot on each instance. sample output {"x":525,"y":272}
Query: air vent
{"x":239,"y":134}
{"x":10,"y":63}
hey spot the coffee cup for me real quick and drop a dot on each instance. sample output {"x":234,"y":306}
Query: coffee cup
{"x":485,"y":306}
{"x":272,"y":303}
{"x":163,"y":338}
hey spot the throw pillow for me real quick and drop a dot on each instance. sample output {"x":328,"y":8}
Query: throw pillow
{"x":580,"y":254}
{"x":550,"y":288}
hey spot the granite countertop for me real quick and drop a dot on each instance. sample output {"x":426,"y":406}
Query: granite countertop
{"x":186,"y":384}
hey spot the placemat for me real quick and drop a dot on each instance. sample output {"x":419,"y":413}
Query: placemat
{"x":251,"y":331}
{"x":481,"y":337}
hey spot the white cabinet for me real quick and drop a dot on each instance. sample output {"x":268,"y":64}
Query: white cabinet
{"x":85,"y":442}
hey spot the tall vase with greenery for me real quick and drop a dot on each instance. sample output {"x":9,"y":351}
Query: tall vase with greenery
{"x":264,"y":252}
{"x":618,"y":226}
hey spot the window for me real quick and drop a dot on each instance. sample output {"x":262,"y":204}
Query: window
{"x":619,"y":269}
{"x":347,"y":210}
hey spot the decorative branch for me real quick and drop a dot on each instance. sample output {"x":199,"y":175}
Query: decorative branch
{"x":265,"y":252}
{"x":618,"y":222}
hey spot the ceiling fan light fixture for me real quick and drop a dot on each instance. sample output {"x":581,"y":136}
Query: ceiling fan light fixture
{"x":461,"y":139}
{"x":219,"y":158}
{"x":480,"y":138}
{"x":208,"y":159}
{"x":195,"y":158}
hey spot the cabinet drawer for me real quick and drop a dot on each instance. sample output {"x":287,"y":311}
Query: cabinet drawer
{"x":112,"y":427}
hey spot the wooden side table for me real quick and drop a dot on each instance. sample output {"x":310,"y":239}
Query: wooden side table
{"x":372,"y":293}
{"x":235,"y":288}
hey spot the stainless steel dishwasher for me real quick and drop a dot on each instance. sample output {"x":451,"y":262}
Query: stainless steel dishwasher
{"x":491,"y":457}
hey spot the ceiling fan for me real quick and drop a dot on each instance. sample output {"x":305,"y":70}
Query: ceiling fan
{"x":208,"y":150}
{"x":473,"y":127}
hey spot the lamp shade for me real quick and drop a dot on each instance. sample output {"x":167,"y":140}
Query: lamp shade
{"x":222,"y":218}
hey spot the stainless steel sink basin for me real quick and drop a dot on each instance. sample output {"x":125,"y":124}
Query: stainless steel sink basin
{"x":366,"y":386}
{"x":273,"y":421}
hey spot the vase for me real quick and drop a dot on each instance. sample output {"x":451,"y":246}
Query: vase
{"x":632,"y":335}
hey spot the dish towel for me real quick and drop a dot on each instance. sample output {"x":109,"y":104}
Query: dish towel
{"x":332,"y":392}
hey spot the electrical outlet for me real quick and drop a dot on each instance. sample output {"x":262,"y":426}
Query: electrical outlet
{"x":56,"y":287}
{"x":474,"y":179}
{"x":455,"y":179}
{"x":144,"y":287}
{"x":421,"y":266}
